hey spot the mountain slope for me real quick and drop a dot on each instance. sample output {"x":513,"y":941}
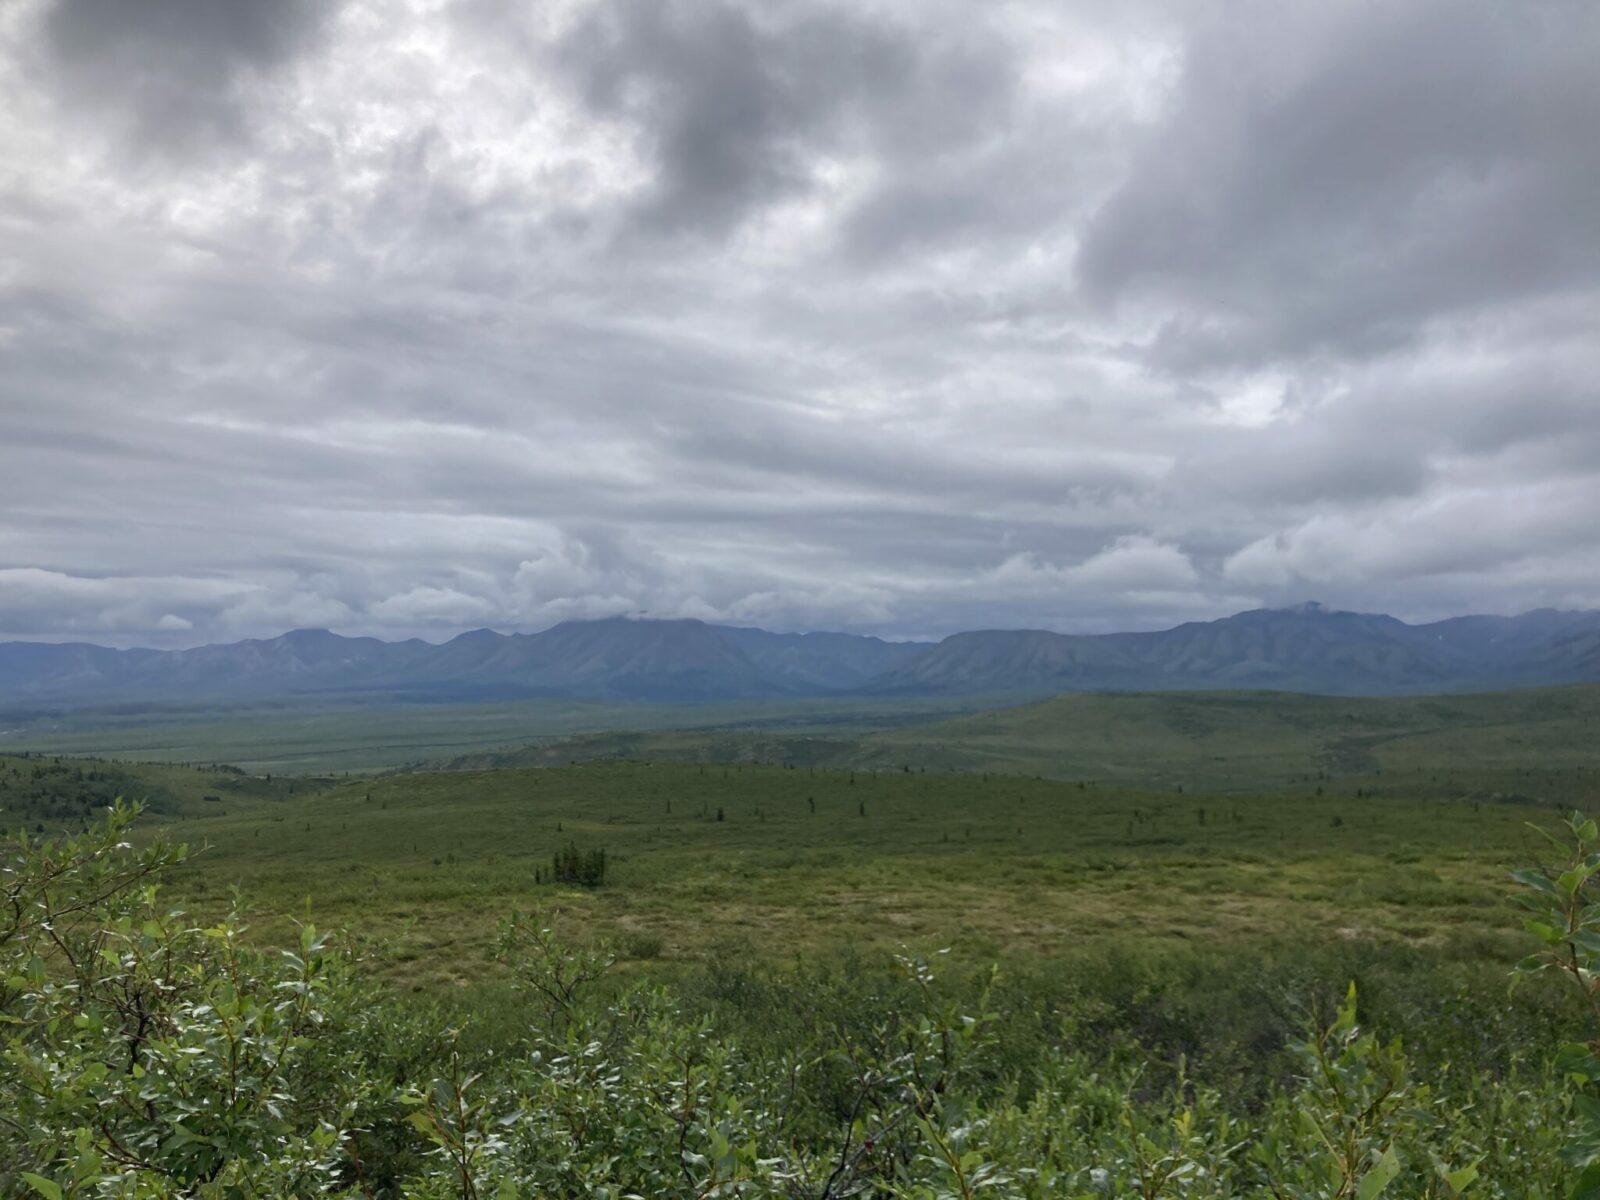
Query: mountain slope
{"x":1006,"y":659}
{"x":830,"y":661}
{"x":1306,"y":648}
{"x":301,"y":660}
{"x":304,"y":659}
{"x":607,"y":659}
{"x":1545,"y":645}
{"x":643,"y":660}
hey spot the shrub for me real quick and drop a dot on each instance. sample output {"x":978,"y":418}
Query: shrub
{"x":147,"y":1056}
{"x":584,"y":868}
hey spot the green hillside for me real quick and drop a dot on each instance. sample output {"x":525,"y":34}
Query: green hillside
{"x":1536,"y":745}
{"x":1542,"y":743}
{"x":325,"y":735}
{"x":50,"y":793}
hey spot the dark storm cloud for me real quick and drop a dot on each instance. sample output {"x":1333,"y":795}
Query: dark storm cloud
{"x":173,"y":70}
{"x":902,"y":317}
{"x":735,"y":106}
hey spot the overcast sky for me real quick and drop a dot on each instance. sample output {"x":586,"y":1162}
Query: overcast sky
{"x":406,"y":318}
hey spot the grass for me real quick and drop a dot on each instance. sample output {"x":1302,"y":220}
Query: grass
{"x":1216,"y":875}
{"x":1537,"y":744}
{"x":50,"y":792}
{"x":1540,"y":745}
{"x":811,"y":862}
{"x":1029,"y":833}
{"x":328,"y":735}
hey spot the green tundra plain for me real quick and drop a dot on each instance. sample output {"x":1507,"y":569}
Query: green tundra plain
{"x":1107,"y":925}
{"x":1031,"y":831}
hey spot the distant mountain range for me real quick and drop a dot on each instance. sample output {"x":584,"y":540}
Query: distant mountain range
{"x":1306,"y":648}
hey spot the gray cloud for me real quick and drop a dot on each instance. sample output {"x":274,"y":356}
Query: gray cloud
{"x":895,"y":317}
{"x":174,"y":73}
{"x":1340,"y":177}
{"x":736,"y":108}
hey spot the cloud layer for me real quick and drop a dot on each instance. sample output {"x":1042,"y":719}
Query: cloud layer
{"x":893,"y":317}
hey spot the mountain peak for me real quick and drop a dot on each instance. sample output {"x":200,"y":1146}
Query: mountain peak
{"x":472,"y":636}
{"x":1306,"y":608}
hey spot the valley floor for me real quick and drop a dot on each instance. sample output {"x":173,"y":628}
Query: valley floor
{"x":773,"y":862}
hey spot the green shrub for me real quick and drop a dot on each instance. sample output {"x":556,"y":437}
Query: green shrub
{"x":148,"y":1056}
{"x":584,"y":868}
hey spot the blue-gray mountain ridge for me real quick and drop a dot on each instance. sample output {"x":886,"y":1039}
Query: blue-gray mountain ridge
{"x":1307,"y":648}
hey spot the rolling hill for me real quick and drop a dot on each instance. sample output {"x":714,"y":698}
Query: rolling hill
{"x":1533,"y":745}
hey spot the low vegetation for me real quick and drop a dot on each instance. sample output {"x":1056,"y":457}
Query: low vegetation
{"x":1532,"y":746}
{"x":151,"y":1055}
{"x":325,"y":734}
{"x":1535,"y":743}
{"x":53,"y":792}
{"x":654,"y":978}
{"x":770,"y":862}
